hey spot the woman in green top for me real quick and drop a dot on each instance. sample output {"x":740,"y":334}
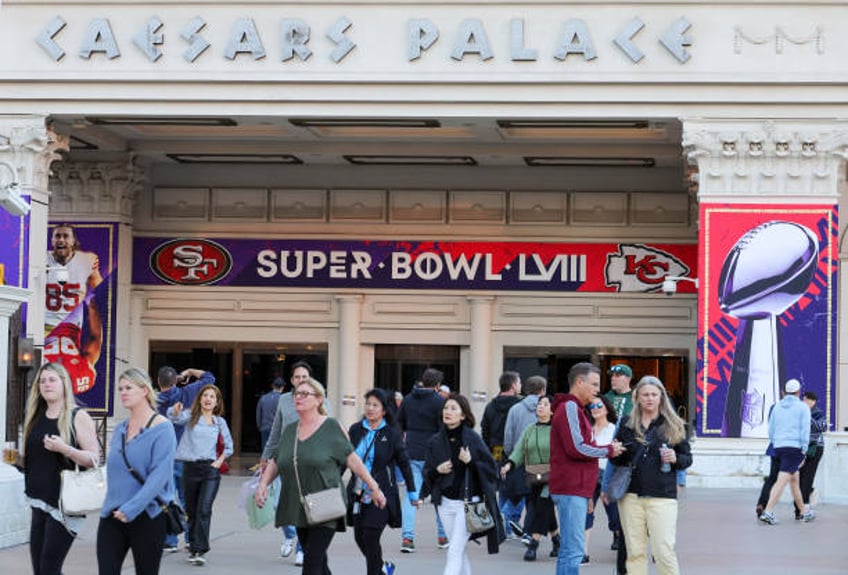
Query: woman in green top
{"x":534,"y":448}
{"x":323,"y":453}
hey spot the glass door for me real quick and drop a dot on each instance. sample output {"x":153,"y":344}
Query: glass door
{"x":399,"y":367}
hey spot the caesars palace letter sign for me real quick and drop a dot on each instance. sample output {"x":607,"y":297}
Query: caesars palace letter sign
{"x":294,"y":35}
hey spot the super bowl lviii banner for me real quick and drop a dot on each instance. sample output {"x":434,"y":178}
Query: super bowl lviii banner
{"x":80,"y":307}
{"x":767,"y":312}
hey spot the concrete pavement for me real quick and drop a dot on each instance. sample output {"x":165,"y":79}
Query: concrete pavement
{"x":717,"y":534}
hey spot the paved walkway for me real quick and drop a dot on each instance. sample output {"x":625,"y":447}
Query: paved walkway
{"x":717,"y":535}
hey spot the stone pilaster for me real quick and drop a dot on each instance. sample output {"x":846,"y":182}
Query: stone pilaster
{"x":30,"y":147}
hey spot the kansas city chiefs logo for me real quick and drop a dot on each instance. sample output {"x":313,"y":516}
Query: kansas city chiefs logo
{"x":637,"y":267}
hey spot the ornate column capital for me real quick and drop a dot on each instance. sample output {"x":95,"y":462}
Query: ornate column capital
{"x":29,"y":146}
{"x":798,"y":160}
{"x":104,"y":188}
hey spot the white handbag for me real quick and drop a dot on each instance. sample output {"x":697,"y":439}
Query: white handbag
{"x":83,"y":491}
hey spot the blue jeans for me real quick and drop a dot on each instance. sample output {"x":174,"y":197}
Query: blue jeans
{"x":572,"y":519}
{"x":173,"y":540}
{"x":408,"y":509}
{"x":510,"y":511}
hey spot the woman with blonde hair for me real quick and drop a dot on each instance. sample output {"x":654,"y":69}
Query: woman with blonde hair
{"x":57,"y":436}
{"x":322,"y":450}
{"x":201,"y":464}
{"x":139,"y":480}
{"x":655,"y":438}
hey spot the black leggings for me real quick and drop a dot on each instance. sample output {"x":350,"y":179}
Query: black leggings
{"x":49,"y":543}
{"x":368,"y":541}
{"x":143,"y":536}
{"x":315,"y":542}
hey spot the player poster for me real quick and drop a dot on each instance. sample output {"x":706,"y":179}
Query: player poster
{"x":80,"y":307}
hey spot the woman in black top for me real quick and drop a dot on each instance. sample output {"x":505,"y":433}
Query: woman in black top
{"x":379,"y":444}
{"x":57,"y":435}
{"x":458,"y":466}
{"x":657,"y":446}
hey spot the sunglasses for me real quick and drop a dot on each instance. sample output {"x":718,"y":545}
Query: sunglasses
{"x":596,"y":405}
{"x":304,"y":394}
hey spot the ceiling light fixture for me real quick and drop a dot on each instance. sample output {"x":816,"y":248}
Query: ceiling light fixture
{"x":576,"y":124}
{"x":364,"y":123}
{"x":235,"y":159}
{"x":588,"y":162}
{"x":158,"y":121}
{"x":411,"y":160}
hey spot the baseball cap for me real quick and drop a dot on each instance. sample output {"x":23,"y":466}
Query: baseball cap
{"x":621,"y":369}
{"x":792,"y":386}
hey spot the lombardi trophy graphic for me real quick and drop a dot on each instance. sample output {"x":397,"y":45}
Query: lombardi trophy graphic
{"x":767,"y":270}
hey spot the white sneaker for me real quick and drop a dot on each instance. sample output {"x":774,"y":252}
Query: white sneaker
{"x":287,"y":547}
{"x":298,"y":558}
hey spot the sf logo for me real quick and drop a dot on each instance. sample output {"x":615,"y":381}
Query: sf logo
{"x":648,"y":269}
{"x":190,"y":258}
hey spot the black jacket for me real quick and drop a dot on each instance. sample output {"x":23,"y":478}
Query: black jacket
{"x":482,"y":480}
{"x":647,"y":479}
{"x":389,"y":451}
{"x":420,"y":417}
{"x":494,"y":419}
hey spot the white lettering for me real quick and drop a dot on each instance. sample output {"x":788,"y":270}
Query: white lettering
{"x":461,"y":265}
{"x":337,"y":264}
{"x":267,"y":262}
{"x":428,"y":266}
{"x":360,"y":265}
{"x":490,"y":273}
{"x":284,"y":268}
{"x":315,"y":261}
{"x":401,"y":269}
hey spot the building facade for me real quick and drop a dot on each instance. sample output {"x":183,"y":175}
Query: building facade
{"x":381,"y":187}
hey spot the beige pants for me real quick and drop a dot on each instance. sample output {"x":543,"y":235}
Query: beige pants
{"x":657,"y":516}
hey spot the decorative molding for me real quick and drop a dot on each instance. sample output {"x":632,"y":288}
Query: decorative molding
{"x":96,"y":188}
{"x":29,"y":145}
{"x":779,"y":37}
{"x":766,"y":158}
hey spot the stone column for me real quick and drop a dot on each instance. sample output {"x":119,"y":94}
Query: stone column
{"x":480,"y":387}
{"x":30,"y":146}
{"x":347,"y":394}
{"x":14,"y":514}
{"x":742,"y":164}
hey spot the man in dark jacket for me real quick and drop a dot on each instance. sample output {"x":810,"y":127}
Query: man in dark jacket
{"x":420,"y":417}
{"x":493,"y":425}
{"x":815,"y":450}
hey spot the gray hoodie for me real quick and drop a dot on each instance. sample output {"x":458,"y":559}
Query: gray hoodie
{"x":521,"y":416}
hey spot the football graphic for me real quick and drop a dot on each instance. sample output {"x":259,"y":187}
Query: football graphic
{"x":767,"y":270}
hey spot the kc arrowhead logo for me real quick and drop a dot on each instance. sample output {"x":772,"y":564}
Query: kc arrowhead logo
{"x":640,"y":268}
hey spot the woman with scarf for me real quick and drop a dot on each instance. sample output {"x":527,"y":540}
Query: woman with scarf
{"x":379,"y":444}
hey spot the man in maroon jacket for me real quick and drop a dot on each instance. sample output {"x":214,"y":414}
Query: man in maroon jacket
{"x":574,"y":463}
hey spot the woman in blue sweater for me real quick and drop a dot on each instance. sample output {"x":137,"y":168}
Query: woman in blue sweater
{"x":131,"y":519}
{"x":201,"y":465}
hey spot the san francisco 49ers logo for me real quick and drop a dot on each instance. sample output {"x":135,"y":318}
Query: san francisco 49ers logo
{"x":637,"y":267}
{"x":191,"y":262}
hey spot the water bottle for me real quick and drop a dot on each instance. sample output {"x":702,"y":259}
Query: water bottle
{"x":666,"y":466}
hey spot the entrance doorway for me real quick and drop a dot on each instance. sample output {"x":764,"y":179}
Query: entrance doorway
{"x":553,"y":364}
{"x":243,"y":374}
{"x":399,"y":367}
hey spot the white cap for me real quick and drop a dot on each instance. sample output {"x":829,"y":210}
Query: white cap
{"x":792,"y":386}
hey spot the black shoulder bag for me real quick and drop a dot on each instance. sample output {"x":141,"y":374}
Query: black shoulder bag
{"x":175,"y":517}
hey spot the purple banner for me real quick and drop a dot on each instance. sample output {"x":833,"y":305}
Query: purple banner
{"x":14,"y":247}
{"x":80,"y":308}
{"x":410,"y":265}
